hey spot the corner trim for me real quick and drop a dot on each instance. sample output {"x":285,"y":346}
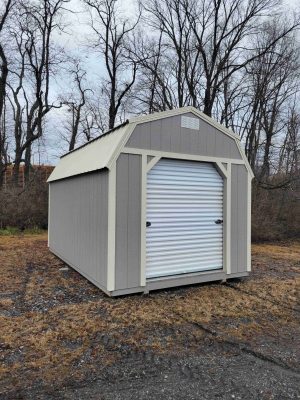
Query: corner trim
{"x":143,"y":219}
{"x":222,"y":169}
{"x":228,"y":221}
{"x":111,"y":227}
{"x":249,"y":189}
{"x":49,"y":219}
{"x":121,"y":144}
{"x":246,"y":162}
{"x":152,"y":163}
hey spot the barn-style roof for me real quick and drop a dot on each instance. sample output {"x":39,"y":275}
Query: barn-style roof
{"x":102,"y":151}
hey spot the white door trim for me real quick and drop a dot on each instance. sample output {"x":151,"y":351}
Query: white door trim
{"x":227,"y":198}
{"x":225,"y":174}
{"x":143,"y":219}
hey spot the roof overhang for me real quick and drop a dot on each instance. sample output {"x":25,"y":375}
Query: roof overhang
{"x":94,"y":156}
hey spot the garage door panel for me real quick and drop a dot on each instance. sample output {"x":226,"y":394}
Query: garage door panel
{"x":184,"y":199}
{"x":188,"y":266}
{"x":185,"y":242}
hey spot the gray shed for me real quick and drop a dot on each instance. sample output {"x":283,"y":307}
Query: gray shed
{"x":162,"y":200}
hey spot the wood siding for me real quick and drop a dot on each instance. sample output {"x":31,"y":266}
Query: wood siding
{"x":128,"y":222}
{"x":78,"y":223}
{"x":239,"y":201}
{"x":168,"y":135}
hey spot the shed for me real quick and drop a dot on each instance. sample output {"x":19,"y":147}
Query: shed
{"x":163,"y":200}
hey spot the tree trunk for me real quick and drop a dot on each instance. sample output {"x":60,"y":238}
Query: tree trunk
{"x":27,"y":163}
{"x":3,"y":79}
{"x":16,"y":171}
{"x":2,"y":172}
{"x":265,"y":170}
{"x":112,"y":116}
{"x":208,"y":102}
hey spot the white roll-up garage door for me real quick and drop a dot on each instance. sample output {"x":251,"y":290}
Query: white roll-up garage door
{"x":184,"y":231}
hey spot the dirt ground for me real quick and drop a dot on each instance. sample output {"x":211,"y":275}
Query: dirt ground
{"x":62,"y":338}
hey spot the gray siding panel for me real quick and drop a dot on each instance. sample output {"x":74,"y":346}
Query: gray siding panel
{"x":121,"y":222}
{"x":242,"y":184}
{"x":155,"y":141}
{"x":128,"y":221}
{"x":168,"y":135}
{"x":173,"y":125}
{"x":78,"y":223}
{"x":239,"y":200}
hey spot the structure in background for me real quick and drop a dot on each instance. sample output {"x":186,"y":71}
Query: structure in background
{"x":163,"y":200}
{"x":44,"y":171}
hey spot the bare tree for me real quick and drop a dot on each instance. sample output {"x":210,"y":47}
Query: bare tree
{"x":267,"y":85}
{"x":224,"y":31}
{"x":289,"y":160}
{"x":30,"y":87}
{"x":154,"y":89}
{"x":178,"y":47}
{"x":92,"y":122}
{"x":76,"y":102}
{"x":112,"y":34}
{"x":7,"y":8}
{"x":282,"y":73}
{"x":171,"y":21}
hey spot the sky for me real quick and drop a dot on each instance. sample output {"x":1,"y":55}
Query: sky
{"x":74,"y":39}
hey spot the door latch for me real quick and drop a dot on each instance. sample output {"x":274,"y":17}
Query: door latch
{"x":219,"y":221}
{"x":148,"y":223}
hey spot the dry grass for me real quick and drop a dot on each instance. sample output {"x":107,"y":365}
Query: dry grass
{"x":57,"y":327}
{"x":286,"y":251}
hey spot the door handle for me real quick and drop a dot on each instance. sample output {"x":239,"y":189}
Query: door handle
{"x":148,"y":223}
{"x":219,"y":221}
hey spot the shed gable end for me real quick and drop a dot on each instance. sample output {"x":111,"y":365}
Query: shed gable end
{"x":185,"y":134}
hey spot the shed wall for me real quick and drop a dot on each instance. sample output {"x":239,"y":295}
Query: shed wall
{"x":128,"y":222}
{"x":128,"y":225}
{"x":78,"y":223}
{"x":167,"y":135}
{"x":239,"y":202}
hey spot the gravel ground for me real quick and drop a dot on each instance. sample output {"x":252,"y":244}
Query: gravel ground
{"x":215,"y":371}
{"x":61,"y":338}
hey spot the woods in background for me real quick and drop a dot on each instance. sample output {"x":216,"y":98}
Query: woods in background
{"x":235,"y":60}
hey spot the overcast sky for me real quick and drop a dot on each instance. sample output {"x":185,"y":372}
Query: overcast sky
{"x":74,"y":39}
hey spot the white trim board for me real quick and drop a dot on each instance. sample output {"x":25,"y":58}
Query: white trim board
{"x":143,"y":219}
{"x":111,"y":226}
{"x":226,"y":175}
{"x":194,"y":157}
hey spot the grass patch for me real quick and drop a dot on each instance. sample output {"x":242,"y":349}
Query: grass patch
{"x":13,"y":231}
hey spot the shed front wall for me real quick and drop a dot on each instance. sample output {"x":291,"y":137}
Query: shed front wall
{"x":128,"y":223}
{"x":168,"y":135}
{"x":78,"y":222}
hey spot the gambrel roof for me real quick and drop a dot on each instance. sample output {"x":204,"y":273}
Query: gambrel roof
{"x":101,"y":152}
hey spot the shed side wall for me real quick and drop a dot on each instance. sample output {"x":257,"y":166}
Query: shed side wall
{"x":128,"y":222}
{"x":78,"y":223}
{"x":167,"y":135}
{"x":239,"y":201}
